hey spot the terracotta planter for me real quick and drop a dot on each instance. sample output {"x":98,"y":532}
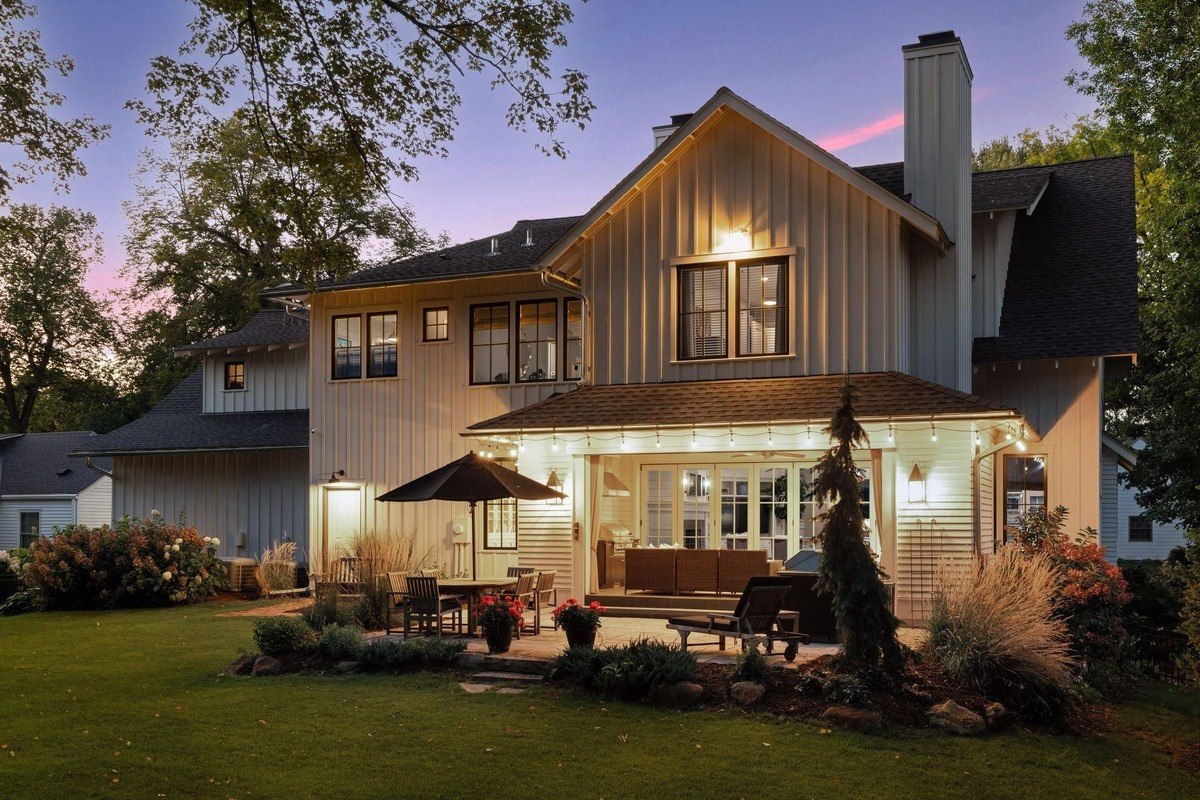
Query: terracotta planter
{"x":580,"y":637}
{"x":499,"y":637}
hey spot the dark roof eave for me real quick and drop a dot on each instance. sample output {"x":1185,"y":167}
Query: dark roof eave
{"x":170,"y":451}
{"x":347,"y":287}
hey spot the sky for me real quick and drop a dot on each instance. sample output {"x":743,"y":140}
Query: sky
{"x":830,"y":70}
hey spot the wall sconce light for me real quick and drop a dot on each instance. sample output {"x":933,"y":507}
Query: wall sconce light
{"x":337,"y":475}
{"x":555,"y":483}
{"x":736,"y":240}
{"x":916,"y":485}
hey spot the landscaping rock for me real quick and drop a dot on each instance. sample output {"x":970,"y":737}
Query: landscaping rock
{"x":241,"y":665}
{"x":676,"y":695}
{"x":854,"y":719}
{"x":951,"y":717}
{"x":266,"y":665}
{"x":996,"y":716}
{"x":746,"y":693}
{"x":510,"y":690}
{"x":345,"y":667}
{"x":475,"y":688}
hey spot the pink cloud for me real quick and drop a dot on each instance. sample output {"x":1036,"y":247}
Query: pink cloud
{"x":863,"y":133}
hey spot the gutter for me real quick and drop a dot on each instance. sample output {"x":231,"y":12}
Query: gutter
{"x":91,"y":465}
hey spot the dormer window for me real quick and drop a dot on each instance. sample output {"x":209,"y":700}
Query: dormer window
{"x":235,"y":376}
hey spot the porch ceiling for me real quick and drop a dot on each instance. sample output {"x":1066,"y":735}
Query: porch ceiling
{"x":881,"y":396}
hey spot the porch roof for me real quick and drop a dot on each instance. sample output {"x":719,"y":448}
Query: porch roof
{"x":881,"y":396}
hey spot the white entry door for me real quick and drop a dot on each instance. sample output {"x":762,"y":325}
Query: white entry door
{"x":343,"y":518}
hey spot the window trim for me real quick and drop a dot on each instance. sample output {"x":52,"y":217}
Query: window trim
{"x":563,"y":376}
{"x":1149,"y":538}
{"x":679,"y":312}
{"x":225,"y":380}
{"x":366,"y":343}
{"x":333,"y":348}
{"x":515,"y":338}
{"x":425,"y":324}
{"x":516,"y":526}
{"x":507,"y":305}
{"x":785,"y":307}
{"x":1002,"y":488}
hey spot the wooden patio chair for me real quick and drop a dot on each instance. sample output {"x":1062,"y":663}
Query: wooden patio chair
{"x":544,"y":595}
{"x":428,"y":607}
{"x":524,"y":592}
{"x":346,"y":576}
{"x":397,"y":595}
{"x":516,"y":572}
{"x":756,"y":616}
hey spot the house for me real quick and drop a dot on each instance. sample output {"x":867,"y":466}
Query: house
{"x":1128,"y":533}
{"x":226,"y":450}
{"x":42,"y":488}
{"x":670,"y":357}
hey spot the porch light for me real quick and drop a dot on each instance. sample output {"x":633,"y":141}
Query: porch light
{"x":555,"y":483}
{"x":736,"y":240}
{"x":916,"y":485}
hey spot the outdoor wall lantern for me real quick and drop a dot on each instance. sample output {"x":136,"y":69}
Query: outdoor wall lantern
{"x":555,"y":483}
{"x":916,"y":485}
{"x":737,"y":240}
{"x":337,"y":475}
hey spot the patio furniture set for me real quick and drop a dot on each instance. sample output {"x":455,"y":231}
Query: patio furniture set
{"x":669,"y":570}
{"x":426,"y":602}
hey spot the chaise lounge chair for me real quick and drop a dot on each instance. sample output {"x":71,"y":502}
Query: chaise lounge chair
{"x":757,"y":615}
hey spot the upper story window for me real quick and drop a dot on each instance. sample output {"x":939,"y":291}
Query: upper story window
{"x":703,"y":309}
{"x":573,"y":339}
{"x":435,"y":326}
{"x":489,"y":343}
{"x":347,"y":347}
{"x":537,"y":328}
{"x":762,"y":308}
{"x":381,"y":361}
{"x":235,"y":376}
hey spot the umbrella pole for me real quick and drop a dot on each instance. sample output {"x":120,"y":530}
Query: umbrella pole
{"x":474,"y":545}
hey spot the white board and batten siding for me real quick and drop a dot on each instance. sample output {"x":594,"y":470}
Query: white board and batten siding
{"x":386,"y":431}
{"x":276,"y":380}
{"x":259,"y":493}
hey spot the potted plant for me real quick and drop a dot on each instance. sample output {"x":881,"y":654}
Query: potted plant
{"x":579,"y":621}
{"x":500,"y":616}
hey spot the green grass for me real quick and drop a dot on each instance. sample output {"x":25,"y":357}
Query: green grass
{"x":130,"y":704}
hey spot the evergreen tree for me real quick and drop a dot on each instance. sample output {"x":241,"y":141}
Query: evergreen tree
{"x":866,"y":626}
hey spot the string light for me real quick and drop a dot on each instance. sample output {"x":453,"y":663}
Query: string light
{"x":891,"y":433}
{"x":808,"y":433}
{"x":512,"y":451}
{"x":932,"y":431}
{"x":694,"y":444}
{"x":624,"y":444}
{"x":770,"y":437}
{"x":554,"y":443}
{"x":521,"y":445}
{"x":657,"y":438}
{"x":731,"y":436}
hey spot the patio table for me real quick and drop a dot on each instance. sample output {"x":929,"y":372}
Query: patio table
{"x":474,"y":589}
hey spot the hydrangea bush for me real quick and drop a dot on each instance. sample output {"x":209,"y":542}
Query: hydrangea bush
{"x":136,"y":562}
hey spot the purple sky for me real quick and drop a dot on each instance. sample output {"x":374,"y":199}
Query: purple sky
{"x":830,"y":70}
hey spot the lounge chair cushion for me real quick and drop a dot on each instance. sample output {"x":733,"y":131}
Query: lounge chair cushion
{"x":703,"y":623}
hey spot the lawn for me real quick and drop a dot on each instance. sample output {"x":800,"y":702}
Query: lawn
{"x":130,"y":704}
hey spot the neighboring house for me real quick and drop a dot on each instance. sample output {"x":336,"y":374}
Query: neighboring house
{"x":671,"y":357}
{"x":1128,"y":532}
{"x":226,"y":450}
{"x":42,"y":488}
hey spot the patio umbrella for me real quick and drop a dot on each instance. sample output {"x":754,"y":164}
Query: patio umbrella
{"x":470,"y":479}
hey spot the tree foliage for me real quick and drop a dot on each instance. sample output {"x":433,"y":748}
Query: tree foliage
{"x":1088,"y":137}
{"x":866,"y":626}
{"x":29,"y":123}
{"x":51,"y":328}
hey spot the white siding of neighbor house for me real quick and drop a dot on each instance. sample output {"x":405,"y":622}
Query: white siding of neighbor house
{"x":276,"y":380}
{"x":56,"y":513}
{"x":261,"y":493}
{"x":94,"y":504}
{"x":1108,"y":502}
{"x":845,"y":310}
{"x":1166,"y":536}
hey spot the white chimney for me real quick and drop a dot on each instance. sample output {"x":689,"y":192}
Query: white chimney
{"x":937,"y":177}
{"x":663,"y":132}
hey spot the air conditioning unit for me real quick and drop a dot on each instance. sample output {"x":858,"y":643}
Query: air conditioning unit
{"x":241,"y":574}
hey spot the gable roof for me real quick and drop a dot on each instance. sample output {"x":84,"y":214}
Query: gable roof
{"x":726,"y":99}
{"x":468,"y":259}
{"x":177,"y":424}
{"x":273,"y":326}
{"x":882,"y":395}
{"x":1071,"y":289}
{"x":40,"y":464}
{"x":999,"y":190}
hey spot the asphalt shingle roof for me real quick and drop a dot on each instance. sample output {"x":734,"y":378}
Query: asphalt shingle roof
{"x":990,"y":191}
{"x":177,"y":424}
{"x":271,"y":326}
{"x":723,"y":402}
{"x":472,"y":258}
{"x":40,"y":463}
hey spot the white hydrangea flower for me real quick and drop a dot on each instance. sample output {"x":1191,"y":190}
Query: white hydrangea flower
{"x":216,"y":542}
{"x":179,"y":541}
{"x":154,"y":513}
{"x":166,"y":576}
{"x":207,"y":539}
{"x":175,"y":547}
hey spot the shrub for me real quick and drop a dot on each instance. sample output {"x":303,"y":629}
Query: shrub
{"x":751,"y":665}
{"x":279,"y":636}
{"x":1186,"y":570}
{"x":341,"y":642}
{"x":426,"y":652}
{"x":377,"y":554}
{"x":21,"y":601}
{"x":134,"y":563}
{"x":627,"y":671}
{"x":276,"y":568}
{"x":996,"y":628}
{"x":845,"y":689}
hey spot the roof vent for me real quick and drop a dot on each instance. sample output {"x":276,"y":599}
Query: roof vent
{"x":495,"y":251}
{"x":528,"y":237}
{"x":63,"y":472}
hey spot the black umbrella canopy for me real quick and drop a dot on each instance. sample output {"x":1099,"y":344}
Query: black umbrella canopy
{"x":470,"y":479}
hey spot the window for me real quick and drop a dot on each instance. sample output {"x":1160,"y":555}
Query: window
{"x":773,"y":512}
{"x":697,"y":516}
{"x":436,"y":325}
{"x":735,"y":508}
{"x":702,"y":312}
{"x":500,"y":524}
{"x":537,"y":336}
{"x":1024,"y":486}
{"x":1141,"y":529}
{"x":29,"y":525}
{"x":381,"y":361}
{"x":347,"y":347}
{"x":762,"y":309}
{"x":573,"y":339}
{"x":489,"y":343}
{"x":235,"y":376}
{"x":660,"y":492}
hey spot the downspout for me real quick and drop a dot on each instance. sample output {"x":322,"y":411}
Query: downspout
{"x":552,"y":281}
{"x":91,"y":465}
